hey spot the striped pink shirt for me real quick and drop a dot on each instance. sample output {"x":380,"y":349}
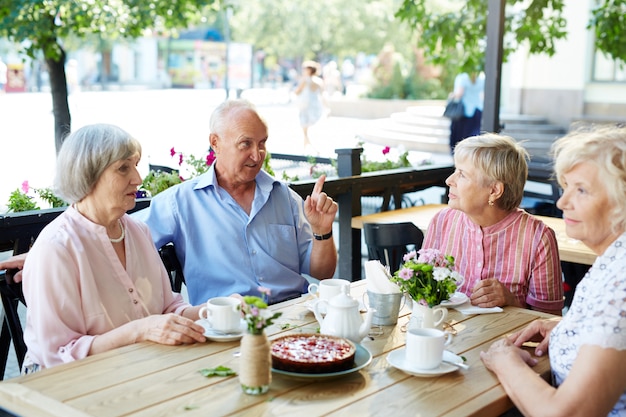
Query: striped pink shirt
{"x":520,"y":251}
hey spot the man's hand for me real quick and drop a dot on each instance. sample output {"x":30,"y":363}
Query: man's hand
{"x":320,"y":209}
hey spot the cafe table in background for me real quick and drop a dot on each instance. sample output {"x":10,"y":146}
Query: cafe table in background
{"x":570,"y":250}
{"x":147,"y":379}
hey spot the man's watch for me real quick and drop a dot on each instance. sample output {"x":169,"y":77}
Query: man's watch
{"x":323,"y":237}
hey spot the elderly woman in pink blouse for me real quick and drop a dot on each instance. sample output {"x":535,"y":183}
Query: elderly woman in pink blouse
{"x":507,"y":256}
{"x":93,"y":280}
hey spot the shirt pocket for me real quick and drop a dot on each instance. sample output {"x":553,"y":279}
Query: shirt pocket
{"x":282,"y":243}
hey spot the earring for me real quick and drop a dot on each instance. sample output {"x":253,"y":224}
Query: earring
{"x":491,"y":203}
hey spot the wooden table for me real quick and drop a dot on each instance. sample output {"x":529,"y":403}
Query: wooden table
{"x":147,"y":379}
{"x":570,"y":250}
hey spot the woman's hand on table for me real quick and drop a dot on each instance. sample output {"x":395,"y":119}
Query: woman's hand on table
{"x":170,"y":329}
{"x":536,"y":331}
{"x":490,"y":292}
{"x":502,"y":352}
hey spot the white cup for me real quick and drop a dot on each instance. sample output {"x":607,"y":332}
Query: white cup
{"x":327,"y":288}
{"x":222,"y":313}
{"x":424,"y":347}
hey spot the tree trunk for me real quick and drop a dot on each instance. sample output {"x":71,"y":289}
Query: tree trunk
{"x":60,"y":107}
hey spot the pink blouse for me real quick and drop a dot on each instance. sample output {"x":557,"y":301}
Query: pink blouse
{"x":76,"y":288}
{"x":520,"y":251}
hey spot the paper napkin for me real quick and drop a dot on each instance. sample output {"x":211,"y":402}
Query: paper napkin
{"x":377,"y":277}
{"x":468,"y":308}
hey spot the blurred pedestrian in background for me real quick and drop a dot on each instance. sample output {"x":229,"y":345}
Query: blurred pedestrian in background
{"x":309,"y":92}
{"x":469,"y":88}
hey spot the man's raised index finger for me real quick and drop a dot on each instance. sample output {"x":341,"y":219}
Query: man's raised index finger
{"x":319,"y":184}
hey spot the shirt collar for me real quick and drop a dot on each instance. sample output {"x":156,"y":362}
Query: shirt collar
{"x":264,"y":180}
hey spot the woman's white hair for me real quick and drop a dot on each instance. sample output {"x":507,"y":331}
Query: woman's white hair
{"x":84,"y":156}
{"x":604,"y":146}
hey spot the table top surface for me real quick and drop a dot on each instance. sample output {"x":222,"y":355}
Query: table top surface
{"x":148,"y":379}
{"x":570,"y":250}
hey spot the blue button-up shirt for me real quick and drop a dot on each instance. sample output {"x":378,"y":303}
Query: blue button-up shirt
{"x":224,"y":250}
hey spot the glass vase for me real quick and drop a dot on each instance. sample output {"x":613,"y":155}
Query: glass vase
{"x":255,"y":364}
{"x":423,"y":316}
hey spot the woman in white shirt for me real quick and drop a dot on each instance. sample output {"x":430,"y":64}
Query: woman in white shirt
{"x":588,"y":346}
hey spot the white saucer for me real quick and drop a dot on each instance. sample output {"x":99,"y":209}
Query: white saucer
{"x":396,"y":358}
{"x":217,"y":336}
{"x":455,"y":299}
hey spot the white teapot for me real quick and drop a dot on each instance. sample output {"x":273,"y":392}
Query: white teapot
{"x":343,"y":318}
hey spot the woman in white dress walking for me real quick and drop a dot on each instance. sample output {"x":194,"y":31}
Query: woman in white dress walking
{"x":309,"y":92}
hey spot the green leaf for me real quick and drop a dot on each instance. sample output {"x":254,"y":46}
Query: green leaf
{"x":218,"y":371}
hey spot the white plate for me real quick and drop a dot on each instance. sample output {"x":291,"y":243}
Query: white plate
{"x":396,"y":358}
{"x":217,"y":336}
{"x":362,"y":358}
{"x":455,"y":299}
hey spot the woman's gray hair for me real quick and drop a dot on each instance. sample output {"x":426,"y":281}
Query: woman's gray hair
{"x":605,"y":147}
{"x":219,"y":117}
{"x":84,"y":156}
{"x":499,"y":158}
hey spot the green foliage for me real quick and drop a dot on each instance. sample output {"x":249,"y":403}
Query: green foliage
{"x":370,"y":166}
{"x":453,"y":34}
{"x":18,"y":201}
{"x":48,"y":196}
{"x":418,"y":88}
{"x":608,"y":21}
{"x":44,"y":26}
{"x":319,"y":29}
{"x":217,"y":371}
{"x":155,"y":182}
{"x":266,"y":164}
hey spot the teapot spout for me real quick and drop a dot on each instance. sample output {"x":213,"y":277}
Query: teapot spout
{"x":317,"y":311}
{"x":367,"y":323}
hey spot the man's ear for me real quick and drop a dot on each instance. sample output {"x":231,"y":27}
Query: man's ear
{"x":213,"y":140}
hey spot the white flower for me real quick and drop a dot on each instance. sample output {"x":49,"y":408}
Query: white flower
{"x":440,"y":273}
{"x":458,"y":278}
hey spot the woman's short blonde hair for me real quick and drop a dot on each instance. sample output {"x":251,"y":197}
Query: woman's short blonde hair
{"x":604,"y":146}
{"x":84,"y":156}
{"x":498,"y":158}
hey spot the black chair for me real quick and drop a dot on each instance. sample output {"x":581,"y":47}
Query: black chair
{"x":18,"y":231}
{"x":173,"y":266}
{"x":388,"y":242}
{"x":162,"y":168}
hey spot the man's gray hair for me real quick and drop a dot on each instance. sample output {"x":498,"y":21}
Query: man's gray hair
{"x":220,"y":115}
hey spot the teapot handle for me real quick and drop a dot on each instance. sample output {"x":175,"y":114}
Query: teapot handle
{"x":316,"y":310}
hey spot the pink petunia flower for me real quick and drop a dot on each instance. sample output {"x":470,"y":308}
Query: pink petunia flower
{"x":210,"y":158}
{"x":386,"y":150}
{"x":180,"y":159}
{"x":265,"y":290}
{"x":25,"y":187}
{"x":172,"y":152}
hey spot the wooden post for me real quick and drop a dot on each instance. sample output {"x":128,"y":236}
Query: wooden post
{"x":349,"y":164}
{"x":493,"y":66}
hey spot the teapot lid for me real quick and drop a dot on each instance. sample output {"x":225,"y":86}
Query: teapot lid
{"x":343,"y":299}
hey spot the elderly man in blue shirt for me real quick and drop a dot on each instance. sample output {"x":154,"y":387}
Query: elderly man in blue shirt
{"x":235,"y":228}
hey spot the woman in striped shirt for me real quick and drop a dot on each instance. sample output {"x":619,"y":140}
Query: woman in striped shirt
{"x":506,"y":255}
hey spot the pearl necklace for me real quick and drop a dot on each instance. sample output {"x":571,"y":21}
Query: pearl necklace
{"x":122,"y":236}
